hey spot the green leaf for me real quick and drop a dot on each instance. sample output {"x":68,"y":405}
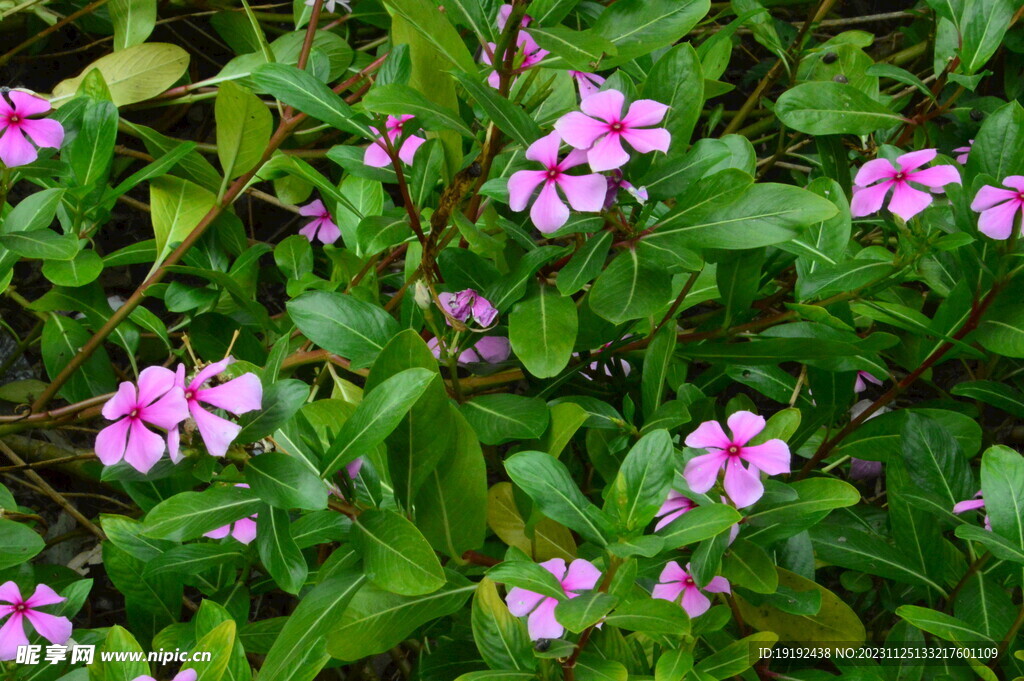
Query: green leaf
{"x":738,"y":656}
{"x":651,"y":616}
{"x":92,"y":150}
{"x":630,"y":287}
{"x":243,"y":129}
{"x":815,"y":498}
{"x":542,"y":330}
{"x":286,"y":482}
{"x":18,"y":543}
{"x":294,"y":255}
{"x":500,"y":417}
{"x":41,"y":243}
{"x":934,"y":461}
{"x":578,"y":50}
{"x":343,"y":325}
{"x":132,"y":75}
{"x":82,"y":269}
{"x":301,"y":90}
{"x":377,"y":620}
{"x":133,"y":21}
{"x":376,"y":417}
{"x":1001,"y":332}
{"x":509,"y":117}
{"x":278,"y":550}
{"x":177,"y":208}
{"x":432,"y":25}
{"x":527,"y":575}
{"x":699,"y":524}
{"x":997,"y":394}
{"x":35,"y":211}
{"x":747,"y":565}
{"x":1002,"y":486}
{"x":643,"y":480}
{"x":396,"y":555}
{"x":998,"y":148}
{"x":673,"y":665}
{"x":638,"y":27}
{"x":827,"y":108}
{"x":982,"y":27}
{"x":762,"y":215}
{"x":188,"y":515}
{"x":940,"y":624}
{"x":191,"y":559}
{"x":500,"y":637}
{"x":402,"y":100}
{"x":587,"y":609}
{"x":62,"y":338}
{"x":585,"y":264}
{"x":280,"y":402}
{"x":676,"y":80}
{"x":547,"y":481}
{"x":298,"y":652}
{"x":119,"y":640}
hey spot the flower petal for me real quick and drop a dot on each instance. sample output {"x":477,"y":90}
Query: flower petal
{"x":15,"y":149}
{"x":873,"y":171}
{"x":329,"y":232}
{"x":694,"y":602}
{"x":12,"y":635}
{"x":238,"y":396}
{"x":10,"y":593}
{"x":218,"y":433}
{"x":869,"y":199}
{"x":190,"y":674}
{"x":644,"y":113}
{"x":605,"y":105}
{"x":607,"y":153}
{"x":174,"y":445}
{"x":648,"y":140}
{"x":673,"y":572}
{"x":314,"y":209}
{"x":153,"y":382}
{"x":907,"y":201}
{"x":542,"y":622}
{"x":555,"y":566}
{"x":110,"y":442}
{"x":219,"y":533}
{"x":214,"y":368}
{"x":744,"y":426}
{"x":43,"y":595}
{"x":989,"y":196}
{"x":584,"y":192}
{"x":582,"y":575}
{"x":56,"y":630}
{"x":521,"y":602}
{"x":1015,"y":181}
{"x":709,"y":435}
{"x":548,"y":212}
{"x":666,"y":520}
{"x":936,"y":176}
{"x":309,"y":231}
{"x":244,"y":530}
{"x":772,"y":457}
{"x":997,"y":222}
{"x":743,"y":485}
{"x":376,"y":156}
{"x":168,"y":411}
{"x":668,"y":592}
{"x":969,"y":505}
{"x":45,"y":132}
{"x":28,"y":105}
{"x":915,"y":159}
{"x":409,"y":147}
{"x":545,"y":150}
{"x":578,"y":130}
{"x":490,"y":349}
{"x":701,"y":472}
{"x":521,"y":186}
{"x":718,"y":585}
{"x":121,"y":403}
{"x":144,"y":447}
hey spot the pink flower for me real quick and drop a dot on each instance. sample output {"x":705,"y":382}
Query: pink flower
{"x":906,"y":201}
{"x":533,"y":54}
{"x":584,"y":192}
{"x":863,"y":378}
{"x":158,"y":401}
{"x":322,"y":226}
{"x":17,"y":126}
{"x":962,"y":152}
{"x":183,"y":675}
{"x":972,"y":504}
{"x":377,"y":153}
{"x":588,"y":83}
{"x":580,"y":576}
{"x":468,"y":304}
{"x":237,"y":396}
{"x":489,"y":349}
{"x":329,"y":6}
{"x":243,"y":529}
{"x":56,"y":630}
{"x":601,"y":128}
{"x":615,"y":183}
{"x":675,"y":505}
{"x":505,"y":11}
{"x":999,"y":207}
{"x":743,"y":485}
{"x":676,"y":582}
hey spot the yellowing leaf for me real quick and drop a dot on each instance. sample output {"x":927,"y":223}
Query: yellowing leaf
{"x":551,"y":540}
{"x":133,"y":74}
{"x":177,"y":207}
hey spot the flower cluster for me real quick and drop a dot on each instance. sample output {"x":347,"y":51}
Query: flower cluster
{"x":322,"y":226}
{"x":875,"y":179}
{"x":163,"y":399}
{"x":678,"y":585}
{"x":377,"y":156}
{"x":999,"y":207}
{"x":596,"y":134}
{"x":20,"y":122}
{"x":56,"y":630}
